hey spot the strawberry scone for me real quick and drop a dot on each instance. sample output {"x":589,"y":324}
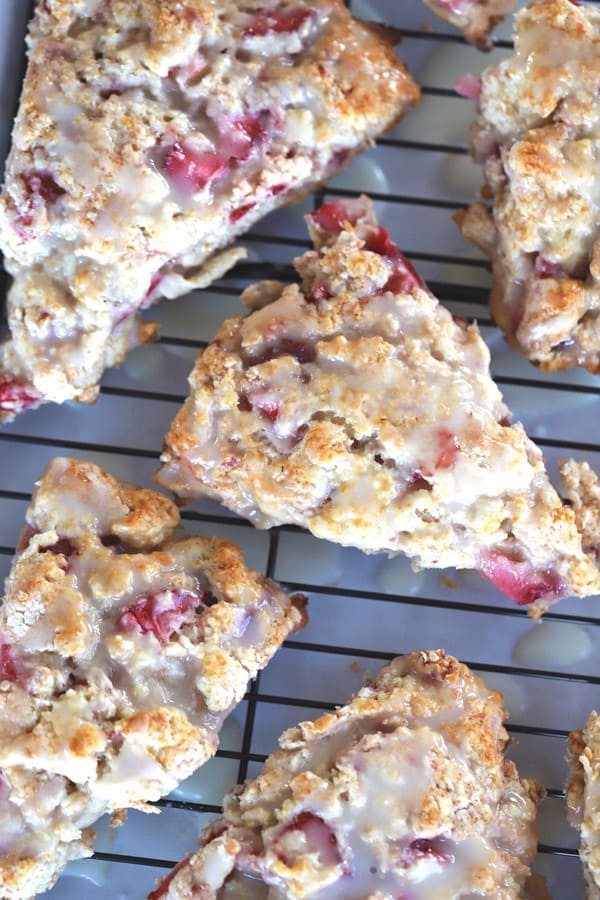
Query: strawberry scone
{"x":403,"y":793}
{"x":537,"y":137}
{"x":583,"y":800}
{"x":357,"y":407}
{"x":475,"y":18}
{"x":122,"y":651}
{"x":151,"y":133}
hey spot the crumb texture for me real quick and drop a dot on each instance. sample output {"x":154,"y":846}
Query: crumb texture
{"x":537,"y":136}
{"x":150,"y":133}
{"x":583,"y":799}
{"x":122,"y":650}
{"x":475,"y":18}
{"x":405,"y":792}
{"x":356,"y":406}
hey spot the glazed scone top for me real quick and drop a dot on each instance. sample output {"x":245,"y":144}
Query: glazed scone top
{"x":583,"y":799}
{"x":538,"y":137}
{"x":149,"y":133}
{"x":476,"y":18}
{"x":356,"y":406}
{"x":122,"y":651}
{"x":404,"y":793}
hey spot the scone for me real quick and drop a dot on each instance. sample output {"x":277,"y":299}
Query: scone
{"x":357,"y":407}
{"x":152,"y":132}
{"x":537,"y":137}
{"x":475,"y":18}
{"x":404,"y":792}
{"x":583,"y":799}
{"x":122,"y":650}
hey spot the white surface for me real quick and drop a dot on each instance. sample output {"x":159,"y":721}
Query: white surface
{"x":470,"y":619}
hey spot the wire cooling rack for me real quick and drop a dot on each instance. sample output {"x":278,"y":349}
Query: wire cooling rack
{"x":363,"y":610}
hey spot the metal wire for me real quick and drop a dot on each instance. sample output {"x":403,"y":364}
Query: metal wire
{"x":448,"y":293}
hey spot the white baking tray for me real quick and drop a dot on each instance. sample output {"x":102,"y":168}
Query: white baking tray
{"x":363,"y":609}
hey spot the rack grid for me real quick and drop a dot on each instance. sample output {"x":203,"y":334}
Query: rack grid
{"x":363,"y":610}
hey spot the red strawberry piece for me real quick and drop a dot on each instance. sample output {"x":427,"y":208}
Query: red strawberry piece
{"x":277,"y":21}
{"x":8,"y":665}
{"x":42,"y":184}
{"x":332,"y":216}
{"x":468,"y":86}
{"x":449,"y":449}
{"x":162,"y":614}
{"x":154,"y":283}
{"x":62,"y":547}
{"x":193,"y":169}
{"x":519,"y":580}
{"x":241,"y":211}
{"x":319,"y":838}
{"x":404,"y":278}
{"x":303,"y":351}
{"x":268,"y":409}
{"x":546,"y":268}
{"x":27,"y":532}
{"x":318,"y":292}
{"x":239,"y":136}
{"x":190,"y":71}
{"x":17,"y":396}
{"x":425,"y":848}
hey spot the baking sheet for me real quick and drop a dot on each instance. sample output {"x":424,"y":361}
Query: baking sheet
{"x":363,"y":610}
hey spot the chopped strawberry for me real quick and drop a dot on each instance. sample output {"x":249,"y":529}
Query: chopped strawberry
{"x":162,"y":614}
{"x":268,"y":409}
{"x":241,"y":211}
{"x":8,"y":665}
{"x":277,"y":21}
{"x":27,"y":532}
{"x":318,"y":292}
{"x":42,"y":184}
{"x":468,"y":86}
{"x":519,"y":580}
{"x":449,"y":449}
{"x":191,"y":70}
{"x":404,"y":278}
{"x":190,"y":168}
{"x":62,"y":547}
{"x":303,"y":351}
{"x":239,"y":136}
{"x":546,"y":268}
{"x":332,"y":216}
{"x":17,"y":396}
{"x":319,"y":838}
{"x":425,"y":848}
{"x":154,"y":283}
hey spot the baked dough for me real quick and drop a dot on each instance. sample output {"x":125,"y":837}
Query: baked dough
{"x":583,"y":800}
{"x":357,"y":407}
{"x":475,"y":18}
{"x":537,"y":137}
{"x":405,"y":792}
{"x":151,"y":133}
{"x":122,"y":651}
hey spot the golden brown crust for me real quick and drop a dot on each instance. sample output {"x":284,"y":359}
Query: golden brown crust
{"x":150,"y":134}
{"x":537,"y":136}
{"x":477,"y":19}
{"x":583,"y":799}
{"x":404,"y":785}
{"x":355,"y":406}
{"x":122,"y":650}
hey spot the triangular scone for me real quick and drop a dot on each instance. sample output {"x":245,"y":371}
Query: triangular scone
{"x":537,"y":137}
{"x":122,"y":651}
{"x":583,"y":800}
{"x":404,"y":792}
{"x":150,"y":134}
{"x":357,"y":407}
{"x":475,"y":18}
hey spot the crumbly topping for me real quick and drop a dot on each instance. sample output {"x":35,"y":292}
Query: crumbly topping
{"x":583,"y":799}
{"x":475,"y":18}
{"x":150,"y":133}
{"x":537,"y":136}
{"x":122,"y":650}
{"x":356,"y":406}
{"x":404,"y":792}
